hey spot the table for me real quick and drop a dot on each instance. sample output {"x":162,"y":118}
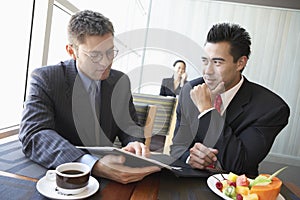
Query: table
{"x":18,"y":177}
{"x":161,"y":185}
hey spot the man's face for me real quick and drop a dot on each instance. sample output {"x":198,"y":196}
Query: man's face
{"x":218,"y":66}
{"x":95,"y":56}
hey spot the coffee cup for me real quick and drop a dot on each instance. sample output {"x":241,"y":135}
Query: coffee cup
{"x":71,"y":178}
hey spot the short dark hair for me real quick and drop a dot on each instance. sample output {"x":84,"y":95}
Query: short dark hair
{"x":177,"y":61}
{"x":237,"y":36}
{"x":86,"y":23}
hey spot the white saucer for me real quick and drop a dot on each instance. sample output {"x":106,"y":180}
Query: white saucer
{"x":47,"y":188}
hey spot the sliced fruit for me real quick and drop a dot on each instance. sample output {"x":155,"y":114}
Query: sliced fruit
{"x":244,"y":190}
{"x":267,"y":192}
{"x":232,"y":177}
{"x":250,"y":197}
{"x":242,"y":180}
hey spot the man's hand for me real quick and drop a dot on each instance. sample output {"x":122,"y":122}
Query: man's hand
{"x":201,"y":156}
{"x":111,"y":167}
{"x":200,"y":96}
{"x":203,"y":96}
{"x":137,"y":148}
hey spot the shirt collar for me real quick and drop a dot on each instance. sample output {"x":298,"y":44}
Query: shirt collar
{"x":86,"y":80}
{"x":229,"y":94}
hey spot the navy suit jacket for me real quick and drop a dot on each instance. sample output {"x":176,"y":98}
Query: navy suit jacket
{"x":58,"y":115}
{"x":243,"y":135}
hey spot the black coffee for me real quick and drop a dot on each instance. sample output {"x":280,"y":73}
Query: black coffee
{"x":72,"y":172}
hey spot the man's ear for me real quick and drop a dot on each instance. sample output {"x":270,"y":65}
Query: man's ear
{"x":241,"y":63}
{"x":71,"y":51}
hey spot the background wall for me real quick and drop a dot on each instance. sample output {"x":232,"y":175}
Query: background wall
{"x":293,"y":4}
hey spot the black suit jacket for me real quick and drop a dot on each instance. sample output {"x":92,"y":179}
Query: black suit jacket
{"x":167,"y":88}
{"x":58,"y":115}
{"x":243,"y":135}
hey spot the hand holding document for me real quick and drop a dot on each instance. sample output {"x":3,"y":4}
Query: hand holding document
{"x":131,"y":159}
{"x":164,"y":161}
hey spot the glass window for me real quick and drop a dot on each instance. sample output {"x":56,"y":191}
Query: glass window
{"x":130,"y":20}
{"x":58,"y":36}
{"x":15,"y":33}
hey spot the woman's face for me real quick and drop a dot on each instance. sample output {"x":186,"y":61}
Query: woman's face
{"x":179,"y":68}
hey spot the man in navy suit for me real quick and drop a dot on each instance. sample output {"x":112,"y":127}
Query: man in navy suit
{"x":240,"y":135}
{"x":83,"y":101}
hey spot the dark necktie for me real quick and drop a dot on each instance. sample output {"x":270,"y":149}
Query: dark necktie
{"x":97,"y":101}
{"x":95,"y":95}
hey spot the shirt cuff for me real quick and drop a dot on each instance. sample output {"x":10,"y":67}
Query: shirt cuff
{"x":204,"y":112}
{"x":88,"y":159}
{"x":187,"y":160}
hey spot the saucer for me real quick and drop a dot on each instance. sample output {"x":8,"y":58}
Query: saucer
{"x":47,"y":188}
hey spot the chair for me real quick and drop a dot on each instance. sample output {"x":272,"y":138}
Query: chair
{"x":146,"y":114}
{"x":163,"y":118}
{"x":169,"y":137}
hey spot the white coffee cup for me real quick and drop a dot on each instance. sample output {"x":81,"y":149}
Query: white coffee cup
{"x":71,"y":178}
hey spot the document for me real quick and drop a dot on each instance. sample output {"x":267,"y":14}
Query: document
{"x":131,"y":159}
{"x":175,"y":166}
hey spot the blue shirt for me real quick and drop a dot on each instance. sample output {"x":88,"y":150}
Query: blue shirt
{"x":88,"y":159}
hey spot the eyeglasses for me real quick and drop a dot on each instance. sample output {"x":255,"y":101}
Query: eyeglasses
{"x":97,"y":56}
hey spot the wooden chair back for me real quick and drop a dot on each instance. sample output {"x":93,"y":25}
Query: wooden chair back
{"x":164,"y":115}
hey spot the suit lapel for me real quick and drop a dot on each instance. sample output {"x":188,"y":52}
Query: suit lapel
{"x":236,"y":106}
{"x":70,"y":74}
{"x":170,"y":84}
{"x":81,"y":108}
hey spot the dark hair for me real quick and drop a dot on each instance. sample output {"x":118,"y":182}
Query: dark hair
{"x":86,"y":23}
{"x":177,"y":61}
{"x":237,"y":36}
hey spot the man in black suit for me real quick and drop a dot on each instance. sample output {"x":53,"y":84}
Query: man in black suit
{"x":240,"y":135}
{"x":83,"y":101}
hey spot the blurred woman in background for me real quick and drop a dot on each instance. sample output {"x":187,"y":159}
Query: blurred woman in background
{"x":172,"y":86}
